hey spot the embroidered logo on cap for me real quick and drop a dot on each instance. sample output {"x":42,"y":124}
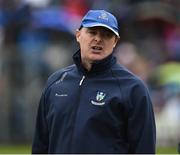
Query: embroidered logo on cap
{"x":103,"y":16}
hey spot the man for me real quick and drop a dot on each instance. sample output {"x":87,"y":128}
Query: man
{"x":95,"y":105}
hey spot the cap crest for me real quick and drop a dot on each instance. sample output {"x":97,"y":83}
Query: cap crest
{"x":103,"y":16}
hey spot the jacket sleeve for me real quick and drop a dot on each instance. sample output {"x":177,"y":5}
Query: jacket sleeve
{"x":41,"y":135}
{"x":141,"y":122}
{"x":40,"y":140}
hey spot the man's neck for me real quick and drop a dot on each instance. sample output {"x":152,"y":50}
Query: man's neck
{"x":87,"y":64}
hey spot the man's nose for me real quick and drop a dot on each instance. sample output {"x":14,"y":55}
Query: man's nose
{"x":98,"y":36}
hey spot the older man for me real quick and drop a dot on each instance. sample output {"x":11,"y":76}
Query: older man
{"x":95,"y":105}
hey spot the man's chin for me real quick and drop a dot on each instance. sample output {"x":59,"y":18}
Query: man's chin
{"x":96,"y":58}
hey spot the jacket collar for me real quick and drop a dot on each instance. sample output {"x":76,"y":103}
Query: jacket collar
{"x":98,"y":66}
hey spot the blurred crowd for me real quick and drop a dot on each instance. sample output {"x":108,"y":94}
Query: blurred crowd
{"x":37,"y":38}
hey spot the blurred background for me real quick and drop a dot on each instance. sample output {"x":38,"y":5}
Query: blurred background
{"x":37,"y":38}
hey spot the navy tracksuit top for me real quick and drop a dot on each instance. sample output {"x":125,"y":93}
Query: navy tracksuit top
{"x":105,"y":110}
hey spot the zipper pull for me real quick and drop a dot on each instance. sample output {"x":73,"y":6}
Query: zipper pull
{"x":80,"y":83}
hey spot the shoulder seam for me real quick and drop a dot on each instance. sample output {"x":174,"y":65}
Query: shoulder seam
{"x":69,"y":68}
{"x":113,"y":74}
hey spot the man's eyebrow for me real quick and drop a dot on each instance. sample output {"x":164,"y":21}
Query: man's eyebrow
{"x":92,"y":28}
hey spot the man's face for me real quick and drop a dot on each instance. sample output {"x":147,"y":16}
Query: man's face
{"x":96,"y":43}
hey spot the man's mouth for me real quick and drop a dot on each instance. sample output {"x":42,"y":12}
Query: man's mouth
{"x":97,"y":48}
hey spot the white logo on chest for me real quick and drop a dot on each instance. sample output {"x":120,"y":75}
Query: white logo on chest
{"x":99,"y":98}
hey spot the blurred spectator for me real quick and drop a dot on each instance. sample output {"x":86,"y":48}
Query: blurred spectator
{"x":101,"y":4}
{"x":168,"y":73}
{"x":168,"y":121}
{"x":36,"y":3}
{"x":128,"y":56}
{"x":77,"y":7}
{"x":172,"y":42}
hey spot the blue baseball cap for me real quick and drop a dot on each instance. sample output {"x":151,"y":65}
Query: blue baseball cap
{"x":102,"y":18}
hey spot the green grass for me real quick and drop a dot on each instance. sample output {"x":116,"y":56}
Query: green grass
{"x":15,"y":149}
{"x":26,"y":149}
{"x":166,"y":150}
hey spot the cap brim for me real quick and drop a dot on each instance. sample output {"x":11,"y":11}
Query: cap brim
{"x":103,"y":25}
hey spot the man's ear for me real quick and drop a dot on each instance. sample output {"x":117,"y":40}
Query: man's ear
{"x":116,"y":41}
{"x":77,"y":35}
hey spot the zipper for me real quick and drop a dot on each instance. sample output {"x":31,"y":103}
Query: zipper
{"x":80,"y":83}
{"x":75,"y":112}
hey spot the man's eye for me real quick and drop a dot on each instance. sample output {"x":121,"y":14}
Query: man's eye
{"x":108,"y":35}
